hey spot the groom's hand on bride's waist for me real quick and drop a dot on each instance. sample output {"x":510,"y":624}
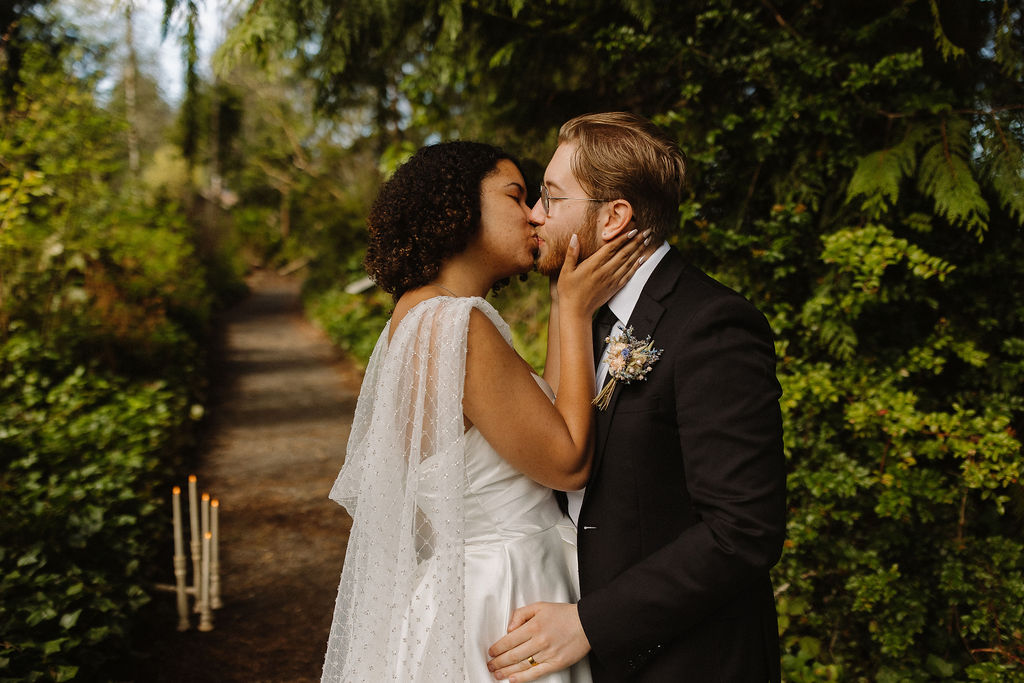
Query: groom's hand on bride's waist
{"x":542,"y":638}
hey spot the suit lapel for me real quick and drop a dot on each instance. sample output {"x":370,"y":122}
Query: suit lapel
{"x":644,"y":320}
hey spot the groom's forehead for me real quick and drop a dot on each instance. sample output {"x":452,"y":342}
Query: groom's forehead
{"x":558,"y":172}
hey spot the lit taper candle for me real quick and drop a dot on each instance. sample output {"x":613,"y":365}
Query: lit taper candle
{"x":179,"y":561}
{"x":194,"y":540}
{"x":215,"y":602}
{"x":205,"y":613}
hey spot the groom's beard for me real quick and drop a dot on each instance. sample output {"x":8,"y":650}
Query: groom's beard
{"x":550,"y":259}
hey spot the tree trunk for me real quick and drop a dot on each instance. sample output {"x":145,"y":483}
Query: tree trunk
{"x":286,"y":212}
{"x":130,"y":102}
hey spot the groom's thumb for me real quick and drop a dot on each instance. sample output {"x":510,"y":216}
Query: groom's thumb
{"x":521,"y":616}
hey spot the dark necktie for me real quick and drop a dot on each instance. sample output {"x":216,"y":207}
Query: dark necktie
{"x":603,"y":323}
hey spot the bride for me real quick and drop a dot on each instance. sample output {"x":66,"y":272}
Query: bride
{"x":456,"y":444}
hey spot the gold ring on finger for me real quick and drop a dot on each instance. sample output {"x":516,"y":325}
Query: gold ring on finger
{"x":532,"y":661}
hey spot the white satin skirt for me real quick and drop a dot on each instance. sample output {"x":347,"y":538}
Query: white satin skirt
{"x":502,"y":574}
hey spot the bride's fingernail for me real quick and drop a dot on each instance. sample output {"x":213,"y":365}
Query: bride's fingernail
{"x":647,"y":241}
{"x":640,"y":260}
{"x":647,"y":232}
{"x":574,"y":240}
{"x":631,"y":233}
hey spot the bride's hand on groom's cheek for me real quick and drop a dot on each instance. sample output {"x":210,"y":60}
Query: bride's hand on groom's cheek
{"x":542,"y":638}
{"x":591,"y":282}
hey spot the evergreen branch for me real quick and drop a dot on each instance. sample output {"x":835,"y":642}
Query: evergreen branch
{"x":165,"y":23}
{"x":977,"y":112}
{"x":750,"y":193}
{"x":1002,"y":135}
{"x":945,"y":147}
{"x":782,"y":22}
{"x":998,"y":651}
{"x":279,"y":180}
{"x":946,"y":46}
{"x":513,"y":20}
{"x":945,"y":176}
{"x":962,"y":523}
{"x":878,"y":175}
{"x":1004,"y":171}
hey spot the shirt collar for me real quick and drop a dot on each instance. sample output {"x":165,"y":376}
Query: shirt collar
{"x":624,"y":301}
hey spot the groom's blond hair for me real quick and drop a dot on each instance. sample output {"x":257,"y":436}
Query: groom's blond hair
{"x":620,"y":155}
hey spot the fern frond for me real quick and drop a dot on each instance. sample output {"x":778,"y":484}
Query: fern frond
{"x":451,"y":14}
{"x":643,"y":10}
{"x":946,"y":176}
{"x":247,"y":39}
{"x":503,"y":55}
{"x":516,"y":6}
{"x":1003,"y":41}
{"x":827,"y":319}
{"x":918,"y":222}
{"x":878,"y":175}
{"x":1004,"y":171}
{"x":947,"y":48}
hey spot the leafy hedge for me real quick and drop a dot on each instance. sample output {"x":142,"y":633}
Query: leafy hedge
{"x":82,"y":451}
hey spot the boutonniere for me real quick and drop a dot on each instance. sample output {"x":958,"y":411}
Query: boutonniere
{"x":628,"y":359}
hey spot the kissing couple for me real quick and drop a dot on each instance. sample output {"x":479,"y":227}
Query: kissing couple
{"x":466,"y":561}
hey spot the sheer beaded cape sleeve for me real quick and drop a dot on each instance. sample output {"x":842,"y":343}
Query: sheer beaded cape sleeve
{"x":403,"y":483}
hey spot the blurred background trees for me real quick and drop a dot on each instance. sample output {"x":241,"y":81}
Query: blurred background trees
{"x":855,"y":170}
{"x":106,"y":295}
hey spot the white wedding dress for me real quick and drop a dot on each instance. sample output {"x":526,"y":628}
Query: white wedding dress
{"x":448,"y":538}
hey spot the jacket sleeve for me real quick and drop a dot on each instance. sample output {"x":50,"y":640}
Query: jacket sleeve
{"x":730,"y":438}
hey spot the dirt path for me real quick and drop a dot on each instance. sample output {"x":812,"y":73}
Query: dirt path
{"x":278,"y":438}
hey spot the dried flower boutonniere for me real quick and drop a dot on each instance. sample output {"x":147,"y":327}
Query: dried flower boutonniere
{"x":628,"y":359}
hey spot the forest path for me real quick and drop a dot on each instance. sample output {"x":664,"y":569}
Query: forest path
{"x":280,"y":424}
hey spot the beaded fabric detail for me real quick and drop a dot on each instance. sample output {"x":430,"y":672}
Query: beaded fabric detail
{"x":403,"y":483}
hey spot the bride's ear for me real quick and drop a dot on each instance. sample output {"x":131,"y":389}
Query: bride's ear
{"x":616,"y":216}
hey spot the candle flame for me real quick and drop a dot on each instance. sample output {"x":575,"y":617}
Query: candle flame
{"x":215,"y":503}
{"x":209,"y":534}
{"x":176,"y":491}
{"x":206,"y":496}
{"x":191,"y":477}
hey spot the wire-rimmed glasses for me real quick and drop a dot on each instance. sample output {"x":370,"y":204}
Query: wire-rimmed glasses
{"x":546,"y":199}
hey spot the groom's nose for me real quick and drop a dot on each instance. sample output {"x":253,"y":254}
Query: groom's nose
{"x":537,"y":214}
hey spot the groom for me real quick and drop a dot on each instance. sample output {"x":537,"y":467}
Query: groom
{"x":684,"y":513}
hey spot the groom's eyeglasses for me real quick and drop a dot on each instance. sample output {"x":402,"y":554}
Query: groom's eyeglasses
{"x":546,"y":199}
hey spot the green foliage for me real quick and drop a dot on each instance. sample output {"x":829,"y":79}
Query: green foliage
{"x":352,"y":321}
{"x":525,"y":306}
{"x":82,"y":451}
{"x":104,"y":299}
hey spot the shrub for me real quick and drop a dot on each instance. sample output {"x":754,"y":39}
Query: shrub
{"x":81,"y":453}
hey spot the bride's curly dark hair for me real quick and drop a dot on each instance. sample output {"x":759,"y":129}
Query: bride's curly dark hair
{"x":426,"y":212}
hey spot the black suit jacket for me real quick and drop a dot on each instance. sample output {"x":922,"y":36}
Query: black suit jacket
{"x":684,"y":513}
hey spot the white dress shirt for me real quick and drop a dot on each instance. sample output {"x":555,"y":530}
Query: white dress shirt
{"x":622,"y":305}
